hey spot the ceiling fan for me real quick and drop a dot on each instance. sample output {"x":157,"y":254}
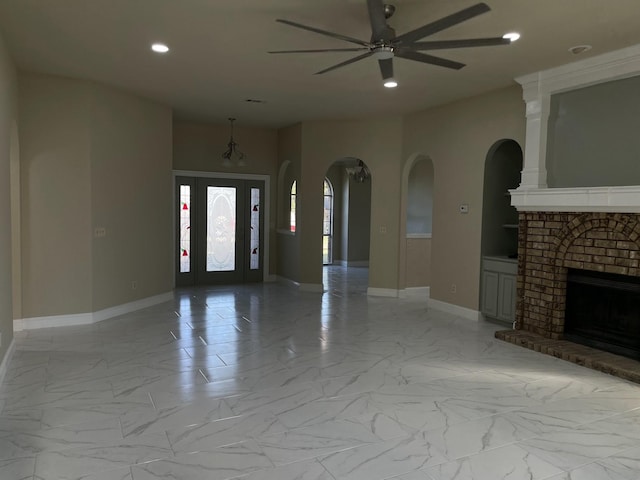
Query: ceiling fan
{"x":385,"y":44}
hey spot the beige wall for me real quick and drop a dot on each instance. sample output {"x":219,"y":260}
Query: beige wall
{"x":378,"y":142}
{"x":199,"y":147}
{"x":131,"y":197}
{"x":8,"y":118}
{"x":56,"y":195}
{"x":457,"y":137}
{"x":359,"y":220}
{"x":92,"y":157}
{"x":288,"y":244}
{"x":418,"y":262}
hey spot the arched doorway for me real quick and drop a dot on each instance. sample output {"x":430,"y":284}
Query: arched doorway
{"x":347,"y":191}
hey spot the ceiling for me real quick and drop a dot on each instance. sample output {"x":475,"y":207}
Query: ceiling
{"x":219,"y":58}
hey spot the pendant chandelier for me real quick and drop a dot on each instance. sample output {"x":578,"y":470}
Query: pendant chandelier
{"x":233,"y":157}
{"x":359,"y":172}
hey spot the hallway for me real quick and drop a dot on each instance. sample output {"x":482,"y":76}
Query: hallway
{"x":264,"y":382}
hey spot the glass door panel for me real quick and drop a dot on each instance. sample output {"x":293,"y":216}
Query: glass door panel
{"x":221,"y":229}
{"x":185,"y":238}
{"x":219,"y":226}
{"x":255,"y":238}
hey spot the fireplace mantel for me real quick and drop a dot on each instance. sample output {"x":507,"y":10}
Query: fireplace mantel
{"x":624,"y":199}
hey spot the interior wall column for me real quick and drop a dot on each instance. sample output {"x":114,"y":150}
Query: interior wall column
{"x":534,"y":172}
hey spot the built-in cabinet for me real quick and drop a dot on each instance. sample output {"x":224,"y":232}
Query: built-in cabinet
{"x":500,"y":232}
{"x":498,"y":299}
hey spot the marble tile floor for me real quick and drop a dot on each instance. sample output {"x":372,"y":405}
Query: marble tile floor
{"x":262,"y":382}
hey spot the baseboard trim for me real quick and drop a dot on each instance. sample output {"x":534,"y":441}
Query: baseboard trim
{"x":303,"y":287}
{"x":52,"y":321}
{"x":464,"y":312}
{"x":91,"y":317}
{"x":352,"y":263}
{"x":383,"y":292}
{"x":4,"y":366}
{"x":416,"y":293}
{"x":357,"y":263}
{"x":287,"y":282}
{"x":311,"y":287}
{"x":125,"y":308}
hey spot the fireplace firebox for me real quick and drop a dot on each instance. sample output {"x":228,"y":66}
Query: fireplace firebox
{"x":603,"y":311}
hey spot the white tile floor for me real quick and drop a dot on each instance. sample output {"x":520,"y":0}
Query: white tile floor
{"x":266,"y":383}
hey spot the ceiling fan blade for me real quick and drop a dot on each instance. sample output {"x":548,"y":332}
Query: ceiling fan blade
{"x":324,"y":32}
{"x":379,"y":28}
{"x":463,"y":43}
{"x":351,"y":60}
{"x":443,"y":23}
{"x":322,"y":50}
{"x":430,"y":59}
{"x":386,"y":68}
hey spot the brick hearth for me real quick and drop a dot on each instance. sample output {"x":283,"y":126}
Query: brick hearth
{"x":548,"y":244}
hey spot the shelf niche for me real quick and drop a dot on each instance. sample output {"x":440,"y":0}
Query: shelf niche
{"x":499,"y":219}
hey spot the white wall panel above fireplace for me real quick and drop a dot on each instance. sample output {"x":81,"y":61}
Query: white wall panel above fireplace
{"x":592,"y":199}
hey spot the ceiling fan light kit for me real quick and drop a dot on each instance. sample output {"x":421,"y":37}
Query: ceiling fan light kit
{"x":390,"y":83}
{"x":385,"y":44}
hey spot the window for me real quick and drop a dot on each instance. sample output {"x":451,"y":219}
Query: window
{"x":327,"y":224}
{"x":292,"y":207}
{"x":185,"y":228}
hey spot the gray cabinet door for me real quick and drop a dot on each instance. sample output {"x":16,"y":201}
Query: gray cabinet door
{"x":490,"y":286}
{"x":507,"y":297}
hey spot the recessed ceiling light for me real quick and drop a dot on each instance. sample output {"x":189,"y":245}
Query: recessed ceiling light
{"x":390,"y":83}
{"x":513,"y":36}
{"x":580,"y":49}
{"x":159,"y":48}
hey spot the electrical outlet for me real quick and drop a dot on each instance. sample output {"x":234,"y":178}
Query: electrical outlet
{"x":134,"y":285}
{"x":383,"y":229}
{"x":454,"y":288}
{"x":99,"y":232}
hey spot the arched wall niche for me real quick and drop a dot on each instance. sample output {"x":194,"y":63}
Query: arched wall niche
{"x":419,"y":194}
{"x":503,"y":165}
{"x":417,"y":221}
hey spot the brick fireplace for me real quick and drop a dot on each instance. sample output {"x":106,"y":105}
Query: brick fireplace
{"x":549,"y":243}
{"x":589,"y":228}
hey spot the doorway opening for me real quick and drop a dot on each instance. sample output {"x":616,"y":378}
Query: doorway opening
{"x":327,"y":224}
{"x":219,"y":230}
{"x":346,"y":222}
